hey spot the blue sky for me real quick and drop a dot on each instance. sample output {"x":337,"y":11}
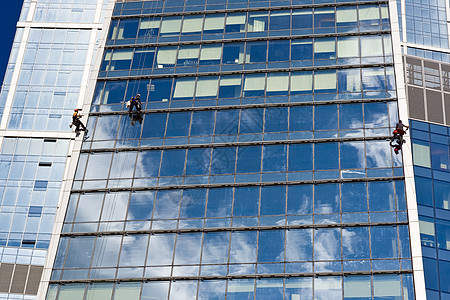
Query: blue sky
{"x":9,"y":15}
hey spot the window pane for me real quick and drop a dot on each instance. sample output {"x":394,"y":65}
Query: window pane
{"x":277,"y":84}
{"x":257,"y":21}
{"x":347,"y":47}
{"x":300,"y":199}
{"x":202,"y":122}
{"x":371,"y":46}
{"x":249,"y":159}
{"x":243,"y":248}
{"x":354,"y":197}
{"x":327,"y":244}
{"x":184,"y":89}
{"x":210,"y":55}
{"x":235,"y":22}
{"x":160,"y":249}
{"x":166,"y":57}
{"x":230,"y":86}
{"x":325,"y":81}
{"x":188,"y":248}
{"x":299,"y":245}
{"x":276,"y":119}
{"x":192,"y":25}
{"x":233,"y":53}
{"x":170,"y":26}
{"x":421,"y":154}
{"x":301,"y":83}
{"x":326,"y":199}
{"x":215,"y":247}
{"x":207,"y":88}
{"x":380,"y":247}
{"x":214,"y":24}
{"x":271,"y":246}
{"x":355,"y":243}
{"x":246,"y":201}
{"x":188,"y":56}
{"x":173,"y":162}
{"x":441,"y":194}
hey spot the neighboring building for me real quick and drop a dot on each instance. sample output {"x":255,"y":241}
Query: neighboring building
{"x":259,"y":169}
{"x":47,"y":77}
{"x":427,"y":73}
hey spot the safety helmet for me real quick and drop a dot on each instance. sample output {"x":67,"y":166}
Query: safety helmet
{"x":138,"y":95}
{"x":76,"y":109}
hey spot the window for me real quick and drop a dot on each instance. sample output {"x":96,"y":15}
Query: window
{"x":325,"y":81}
{"x":369,"y":15}
{"x":143,"y":58}
{"x":210,"y":55}
{"x":421,"y":154}
{"x":192,"y":25}
{"x":127,"y":29}
{"x":280,"y":20}
{"x":324,"y":48}
{"x":235,"y":22}
{"x":184,"y":89}
{"x":349,"y":80}
{"x":371,"y":46}
{"x":188,"y":56}
{"x":170,"y":26}
{"x":257,"y":21}
{"x":149,"y":27}
{"x":166,"y":57}
{"x":254,"y":85}
{"x":214,"y":24}
{"x":207,"y":87}
{"x":346,"y":16}
{"x":233,"y":53}
{"x":302,"y":49}
{"x":278,"y":51}
{"x":347,"y":47}
{"x":324,"y":17}
{"x":277,"y":84}
{"x":301,"y":83}
{"x":256,"y":52}
{"x":301,"y":19}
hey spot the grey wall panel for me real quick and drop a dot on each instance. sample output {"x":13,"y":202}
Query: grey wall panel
{"x":19,"y":279}
{"x":33,"y":280}
{"x":434,"y":107}
{"x":416,"y":103}
{"x":447,"y":108}
{"x":6,"y":271}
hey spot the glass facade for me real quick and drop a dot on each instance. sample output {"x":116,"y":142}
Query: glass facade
{"x":259,"y":167}
{"x":46,"y":77}
{"x":432,"y":177}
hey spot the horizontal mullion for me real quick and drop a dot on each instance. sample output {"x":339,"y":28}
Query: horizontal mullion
{"x":331,"y":67}
{"x":256,"y":9}
{"x":244,"y":228}
{"x":244,"y":184}
{"x":247,"y":39}
{"x":231,"y":277}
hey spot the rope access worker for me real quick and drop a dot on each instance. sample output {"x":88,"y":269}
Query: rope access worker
{"x":397,"y":138}
{"x":135,"y":101}
{"x":77,"y":122}
{"x":400,"y":129}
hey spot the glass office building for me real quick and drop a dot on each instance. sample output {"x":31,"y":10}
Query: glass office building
{"x":259,"y":168}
